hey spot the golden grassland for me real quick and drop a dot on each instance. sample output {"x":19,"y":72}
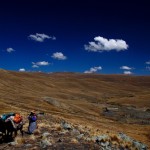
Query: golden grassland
{"x":79,"y":98}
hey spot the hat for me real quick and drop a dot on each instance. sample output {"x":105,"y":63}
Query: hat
{"x":33,"y":111}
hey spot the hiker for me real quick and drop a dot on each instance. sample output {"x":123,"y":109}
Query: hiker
{"x":32,"y":122}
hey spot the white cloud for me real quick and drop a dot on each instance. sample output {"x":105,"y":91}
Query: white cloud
{"x":35,"y":66}
{"x":40,"y":37}
{"x":59,"y":56}
{"x":22,"y":70}
{"x":9,"y":50}
{"x":148,"y":62}
{"x":127,"y":72}
{"x":126,"y":68}
{"x":93,"y":69}
{"x":101,"y":44}
{"x":40,"y":63}
{"x":53,"y":37}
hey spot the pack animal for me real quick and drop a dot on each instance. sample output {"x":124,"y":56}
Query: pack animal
{"x":11,"y":131}
{"x":2,"y":130}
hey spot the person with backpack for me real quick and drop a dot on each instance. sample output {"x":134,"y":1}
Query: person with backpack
{"x":32,"y":122}
{"x":15,"y":119}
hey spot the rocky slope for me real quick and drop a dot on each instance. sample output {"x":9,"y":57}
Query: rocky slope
{"x":55,"y":133}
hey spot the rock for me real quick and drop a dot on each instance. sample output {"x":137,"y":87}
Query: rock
{"x":139,"y":145}
{"x":59,"y":140}
{"x":125,"y":137}
{"x":12,"y":143}
{"x":66,"y":125}
{"x":81,"y":129}
{"x":75,"y":132}
{"x":105,"y":144}
{"x":34,"y":148}
{"x":121,"y":148}
{"x":103,"y":141}
{"x":55,"y":102}
{"x":45,"y":134}
{"x":102,"y":138}
{"x":80,"y":136}
{"x":94,"y":138}
{"x":88,"y":139}
{"x":63,"y":132}
{"x":28,"y":145}
{"x":44,"y":143}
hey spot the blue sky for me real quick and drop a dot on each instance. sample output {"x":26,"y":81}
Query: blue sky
{"x":92,"y":36}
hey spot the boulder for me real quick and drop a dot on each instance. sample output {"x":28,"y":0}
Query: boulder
{"x":66,"y":125}
{"x":80,"y":136}
{"x":45,"y":134}
{"x":12,"y":143}
{"x":45,"y":143}
{"x":138,"y":145}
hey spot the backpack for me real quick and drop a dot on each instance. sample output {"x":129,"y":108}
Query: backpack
{"x":5,"y":116}
{"x":17,"y":118}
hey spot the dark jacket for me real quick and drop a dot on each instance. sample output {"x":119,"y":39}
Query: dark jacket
{"x":32,"y":117}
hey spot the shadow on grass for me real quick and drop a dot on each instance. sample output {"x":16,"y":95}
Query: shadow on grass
{"x":6,"y":139}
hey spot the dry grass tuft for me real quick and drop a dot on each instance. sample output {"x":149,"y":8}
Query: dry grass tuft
{"x":59,"y":128}
{"x":32,"y":137}
{"x":74,"y":141}
{"x":127,"y":145}
{"x":20,"y":140}
{"x":37,"y":132}
{"x":115,"y":138}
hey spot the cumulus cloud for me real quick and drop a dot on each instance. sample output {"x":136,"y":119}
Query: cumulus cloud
{"x":127,"y":72}
{"x":22,"y":70}
{"x":9,"y":50}
{"x":40,"y":63}
{"x":35,"y":66}
{"x":40,"y":37}
{"x":59,"y":56}
{"x":93,"y":69}
{"x":101,"y":44}
{"x":126,"y":68}
{"x":148,"y":62}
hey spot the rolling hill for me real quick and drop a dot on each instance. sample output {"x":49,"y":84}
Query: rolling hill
{"x":82,"y":99}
